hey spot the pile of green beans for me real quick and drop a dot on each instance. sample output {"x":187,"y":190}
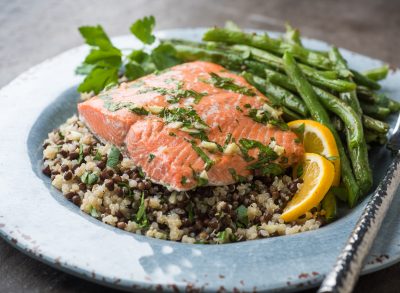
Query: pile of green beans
{"x":308,"y":84}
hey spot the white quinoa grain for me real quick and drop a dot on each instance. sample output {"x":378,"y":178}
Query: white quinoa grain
{"x":190,"y":217}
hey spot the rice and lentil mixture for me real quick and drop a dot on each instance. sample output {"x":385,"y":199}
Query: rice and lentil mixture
{"x":121,"y":196}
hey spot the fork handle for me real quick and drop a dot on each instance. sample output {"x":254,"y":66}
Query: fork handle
{"x":346,"y":271}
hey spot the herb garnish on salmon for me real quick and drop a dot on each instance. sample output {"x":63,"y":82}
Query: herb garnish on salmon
{"x":193,"y":138}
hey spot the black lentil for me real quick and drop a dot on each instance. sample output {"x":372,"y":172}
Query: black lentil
{"x":201,"y":214}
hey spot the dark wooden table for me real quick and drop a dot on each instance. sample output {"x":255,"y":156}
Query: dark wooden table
{"x":31,"y":31}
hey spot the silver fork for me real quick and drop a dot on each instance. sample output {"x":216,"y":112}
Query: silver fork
{"x":346,"y":270}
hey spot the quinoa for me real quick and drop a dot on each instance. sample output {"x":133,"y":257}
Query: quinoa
{"x":123,"y":197}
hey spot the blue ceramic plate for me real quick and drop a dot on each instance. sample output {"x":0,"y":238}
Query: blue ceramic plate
{"x":40,"y":222}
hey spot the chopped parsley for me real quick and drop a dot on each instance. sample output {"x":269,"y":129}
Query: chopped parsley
{"x":266,"y":155}
{"x":141,"y":217}
{"x":190,"y":211}
{"x":227,"y":139}
{"x":268,"y":169}
{"x":247,"y":106}
{"x":225,"y":236}
{"x":151,"y":157}
{"x":200,"y":180}
{"x":229,"y":84}
{"x":97,"y":157}
{"x":115,"y":106}
{"x":113,"y":157}
{"x":284,"y":160}
{"x":172,"y":134}
{"x":279,"y":123}
{"x":206,"y":159}
{"x":239,"y":109}
{"x":89,"y":178}
{"x":94,"y":213}
{"x":141,"y":173}
{"x":175,"y":95}
{"x":265,"y":117}
{"x":80,"y":158}
{"x":241,"y":213}
{"x":300,"y":131}
{"x":126,"y":189}
{"x":235,"y":176}
{"x":183,"y":180}
{"x":189,"y":118}
{"x":299,"y":170}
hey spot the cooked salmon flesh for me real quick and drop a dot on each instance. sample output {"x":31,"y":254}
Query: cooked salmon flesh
{"x":194,"y":124}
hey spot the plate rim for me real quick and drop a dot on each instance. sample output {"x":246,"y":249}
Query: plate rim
{"x":13,"y":239}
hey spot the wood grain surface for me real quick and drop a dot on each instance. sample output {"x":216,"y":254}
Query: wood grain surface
{"x":31,"y":31}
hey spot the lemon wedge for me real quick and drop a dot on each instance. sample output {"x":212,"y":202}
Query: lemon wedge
{"x":317,"y":175}
{"x":317,"y":138}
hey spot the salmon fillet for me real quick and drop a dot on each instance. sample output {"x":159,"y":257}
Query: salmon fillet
{"x":194,"y":124}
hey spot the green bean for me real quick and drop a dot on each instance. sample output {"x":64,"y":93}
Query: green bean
{"x":264,"y":42}
{"x":375,"y":111}
{"x":345,"y":112}
{"x":319,"y":114}
{"x":375,"y":125}
{"x":365,"y":81}
{"x":372,"y":137}
{"x":340,"y":192}
{"x":259,"y":83}
{"x":255,"y":67}
{"x":359,"y":153}
{"x":331,"y":102}
{"x":285,"y":97}
{"x":367,"y":95}
{"x":289,"y":115}
{"x":377,"y":98}
{"x":275,"y":61}
{"x":378,"y":73}
{"x":283,"y":81}
{"x":318,"y":78}
{"x":191,"y":51}
{"x":290,"y":100}
{"x":188,"y":52}
{"x":292,"y":36}
{"x":393,"y":106}
{"x":328,"y":204}
{"x":280,"y":79}
{"x":230,"y":25}
{"x":340,"y":63}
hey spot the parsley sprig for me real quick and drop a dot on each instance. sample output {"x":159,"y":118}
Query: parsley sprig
{"x":105,"y":63}
{"x":102,"y":63}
